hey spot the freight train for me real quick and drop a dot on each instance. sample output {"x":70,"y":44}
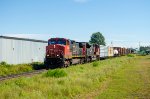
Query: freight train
{"x":62,"y":52}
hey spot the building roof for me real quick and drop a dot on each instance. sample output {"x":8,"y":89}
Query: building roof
{"x":24,"y":39}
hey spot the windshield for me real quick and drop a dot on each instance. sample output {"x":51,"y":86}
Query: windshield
{"x":59,"y":41}
{"x":51,"y":42}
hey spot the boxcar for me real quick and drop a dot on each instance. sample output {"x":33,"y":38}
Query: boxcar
{"x":103,"y":52}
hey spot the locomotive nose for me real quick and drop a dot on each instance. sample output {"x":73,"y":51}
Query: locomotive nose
{"x":54,"y":51}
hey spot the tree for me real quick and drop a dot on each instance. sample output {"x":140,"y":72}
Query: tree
{"x":145,"y":49}
{"x":97,"y":38}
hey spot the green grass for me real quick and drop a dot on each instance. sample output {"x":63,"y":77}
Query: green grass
{"x":95,"y":64}
{"x":131,"y":55}
{"x":56,"y":73}
{"x":131,"y":82}
{"x":82,"y":81}
{"x":7,"y":69}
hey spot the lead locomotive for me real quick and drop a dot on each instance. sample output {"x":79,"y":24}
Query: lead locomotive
{"x":62,"y":52}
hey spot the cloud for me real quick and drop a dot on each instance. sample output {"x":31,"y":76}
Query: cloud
{"x":81,"y":1}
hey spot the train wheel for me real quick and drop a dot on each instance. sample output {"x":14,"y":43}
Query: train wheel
{"x":67,"y":63}
{"x":82,"y":61}
{"x":70,"y":62}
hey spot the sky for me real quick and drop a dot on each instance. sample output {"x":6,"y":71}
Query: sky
{"x":123,"y":22}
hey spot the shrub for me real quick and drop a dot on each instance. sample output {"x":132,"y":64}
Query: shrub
{"x":95,"y":64}
{"x":37,"y":65}
{"x":3,"y":63}
{"x":56,"y":73}
{"x":24,"y":68}
{"x":130,"y":55}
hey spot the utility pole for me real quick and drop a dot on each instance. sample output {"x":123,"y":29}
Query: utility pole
{"x":112,"y":43}
{"x":139,"y":45}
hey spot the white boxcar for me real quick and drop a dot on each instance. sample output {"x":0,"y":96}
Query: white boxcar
{"x":103,"y":52}
{"x":20,"y":50}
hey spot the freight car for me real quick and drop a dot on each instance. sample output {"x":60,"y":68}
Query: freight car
{"x":106,"y":52}
{"x":103,"y":52}
{"x":110,"y":51}
{"x":128,"y":51}
{"x":116,"y":53}
{"x":62,"y":52}
{"x":119,"y":50}
{"x":122,"y":51}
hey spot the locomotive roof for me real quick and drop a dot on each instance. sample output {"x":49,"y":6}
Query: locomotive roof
{"x":58,"y":38}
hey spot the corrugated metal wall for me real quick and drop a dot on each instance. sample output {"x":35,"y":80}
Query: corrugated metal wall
{"x":0,"y":49}
{"x":14,"y":51}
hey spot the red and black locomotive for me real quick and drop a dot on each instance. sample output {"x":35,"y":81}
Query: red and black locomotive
{"x":62,"y":52}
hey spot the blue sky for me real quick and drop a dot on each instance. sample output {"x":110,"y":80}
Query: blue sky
{"x":123,"y":22}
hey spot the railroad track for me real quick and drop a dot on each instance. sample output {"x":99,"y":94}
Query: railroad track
{"x":2,"y":78}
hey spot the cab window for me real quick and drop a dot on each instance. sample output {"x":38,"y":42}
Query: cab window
{"x":62,"y":42}
{"x":59,"y":41}
{"x":50,"y":42}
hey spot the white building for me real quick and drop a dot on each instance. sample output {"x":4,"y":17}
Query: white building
{"x":20,"y":50}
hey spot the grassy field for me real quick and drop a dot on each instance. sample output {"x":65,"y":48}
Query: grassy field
{"x":117,"y":78}
{"x":7,"y":69}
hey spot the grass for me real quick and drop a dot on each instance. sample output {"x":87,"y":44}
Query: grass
{"x":132,"y":82}
{"x":131,"y":55}
{"x":56,"y":73}
{"x":95,"y":64}
{"x":7,"y":69}
{"x":121,"y":77}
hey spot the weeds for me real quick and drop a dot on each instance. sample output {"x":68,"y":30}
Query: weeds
{"x":8,"y":69}
{"x":3,"y":63}
{"x":21,"y":82}
{"x":57,"y":73}
{"x":131,"y":55}
{"x":95,"y":64}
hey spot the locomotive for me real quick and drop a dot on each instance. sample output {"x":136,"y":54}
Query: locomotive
{"x":62,"y":52}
